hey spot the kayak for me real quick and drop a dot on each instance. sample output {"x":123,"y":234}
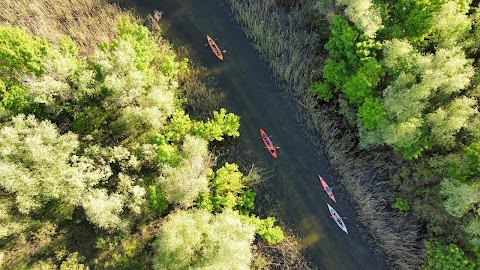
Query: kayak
{"x":327,"y":188}
{"x":216,"y":50}
{"x":268,"y":143}
{"x":338,"y":219}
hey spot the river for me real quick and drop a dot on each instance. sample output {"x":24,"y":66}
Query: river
{"x":252,"y":94}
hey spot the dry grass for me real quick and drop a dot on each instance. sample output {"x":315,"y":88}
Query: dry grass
{"x":87,"y":22}
{"x":362,"y":173}
{"x":284,"y":255}
{"x":282,"y":41}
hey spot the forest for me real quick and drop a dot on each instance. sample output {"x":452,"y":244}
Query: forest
{"x":406,"y":76}
{"x":105,"y":162}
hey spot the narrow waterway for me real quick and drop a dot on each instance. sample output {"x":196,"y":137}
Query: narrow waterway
{"x":252,"y":94}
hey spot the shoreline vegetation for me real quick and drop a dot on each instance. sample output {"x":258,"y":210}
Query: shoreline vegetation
{"x":364,"y":174}
{"x":97,"y":104}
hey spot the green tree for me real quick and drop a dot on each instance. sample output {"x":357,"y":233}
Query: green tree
{"x":460,"y":197}
{"x":450,"y":25}
{"x":335,"y":73}
{"x":445,"y":123}
{"x":401,"y":204}
{"x":410,"y":19}
{"x":157,"y":201}
{"x":321,"y":90}
{"x":342,"y":43}
{"x":265,"y":228}
{"x":364,"y":15}
{"x":197,"y":239}
{"x":221,"y":124}
{"x":227,"y":185}
{"x":22,"y":56}
{"x":104,"y":209}
{"x":361,"y":85}
{"x":448,"y":257}
{"x":472,"y":158}
{"x":38,"y":164}
{"x":184,"y":183}
{"x":371,"y":112}
{"x":20,"y":53}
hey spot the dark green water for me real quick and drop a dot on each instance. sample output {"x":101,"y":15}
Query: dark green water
{"x":252,"y":94}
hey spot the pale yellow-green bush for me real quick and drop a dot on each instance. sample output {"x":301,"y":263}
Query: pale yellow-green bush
{"x":197,"y":239}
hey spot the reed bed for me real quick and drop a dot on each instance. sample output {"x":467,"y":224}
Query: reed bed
{"x":87,"y":22}
{"x":290,"y":49}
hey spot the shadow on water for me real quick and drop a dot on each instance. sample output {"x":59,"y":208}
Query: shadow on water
{"x":252,"y":94}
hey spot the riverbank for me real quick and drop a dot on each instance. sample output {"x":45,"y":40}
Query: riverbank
{"x":364,"y":174}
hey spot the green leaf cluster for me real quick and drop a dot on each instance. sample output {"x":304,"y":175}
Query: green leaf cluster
{"x":401,"y":204}
{"x":265,"y":228}
{"x":157,"y":201}
{"x":442,"y":256}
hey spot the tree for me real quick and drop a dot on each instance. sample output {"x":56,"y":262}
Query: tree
{"x":335,"y":73}
{"x":342,"y":43}
{"x":361,"y":85}
{"x":445,"y":123}
{"x":460,"y":197}
{"x":371,"y":112}
{"x":411,"y":19}
{"x":265,"y":228}
{"x":472,"y":158}
{"x":399,"y":56}
{"x":407,"y":137}
{"x":321,"y":90}
{"x":38,"y":164}
{"x":21,"y":56}
{"x":20,"y":53}
{"x":442,"y":256}
{"x":364,"y":14}
{"x":450,"y":25}
{"x":103,"y":209}
{"x":144,"y":48}
{"x":448,"y":71}
{"x":183,"y":184}
{"x":53,"y":88}
{"x":222,"y":124}
{"x":227,"y":185}
{"x":197,"y":239}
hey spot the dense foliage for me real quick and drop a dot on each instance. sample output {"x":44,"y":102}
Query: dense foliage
{"x":100,"y":148}
{"x":409,"y":71}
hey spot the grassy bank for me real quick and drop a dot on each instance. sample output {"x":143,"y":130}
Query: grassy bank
{"x":87,"y":22}
{"x":285,"y":42}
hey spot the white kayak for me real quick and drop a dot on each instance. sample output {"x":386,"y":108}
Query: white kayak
{"x":338,"y":219}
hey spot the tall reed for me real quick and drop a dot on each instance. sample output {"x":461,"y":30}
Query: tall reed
{"x":88,"y":22}
{"x":290,"y":49}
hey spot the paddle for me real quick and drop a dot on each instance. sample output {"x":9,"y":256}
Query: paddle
{"x":341,"y":217}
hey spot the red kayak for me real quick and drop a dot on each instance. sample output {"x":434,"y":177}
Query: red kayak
{"x":268,"y":143}
{"x":216,"y":50}
{"x":327,"y":188}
